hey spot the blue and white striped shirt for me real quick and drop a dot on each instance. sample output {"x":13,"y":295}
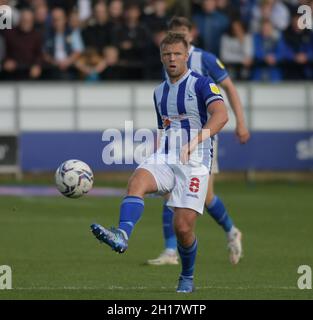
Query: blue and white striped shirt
{"x":184,"y":104}
{"x":206,"y":64}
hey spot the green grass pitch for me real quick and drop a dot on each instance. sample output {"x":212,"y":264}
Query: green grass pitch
{"x":53,"y":255}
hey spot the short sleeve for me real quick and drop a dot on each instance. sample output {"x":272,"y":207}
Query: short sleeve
{"x":208,"y":90}
{"x":214,"y":67}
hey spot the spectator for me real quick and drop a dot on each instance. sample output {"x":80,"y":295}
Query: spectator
{"x":67,"y":5}
{"x":153,"y":66}
{"x":94,"y":66}
{"x":110,"y":25}
{"x":273,"y":10}
{"x":112,"y":69}
{"x":268,"y":53}
{"x":158,"y":18}
{"x":75,"y":25}
{"x":74,"y":21}
{"x":62,"y":47}
{"x":246,"y":8}
{"x":211,"y":24}
{"x":42,"y":17}
{"x":131,"y":38}
{"x":178,"y":7}
{"x":196,"y":39}
{"x":116,"y":12}
{"x":227,"y":9}
{"x":98,"y":34}
{"x":298,"y":51}
{"x":84,"y":8}
{"x":173,"y":7}
{"x":90,"y":64}
{"x":182,"y":8}
{"x":237,"y":50}
{"x":23,"y":44}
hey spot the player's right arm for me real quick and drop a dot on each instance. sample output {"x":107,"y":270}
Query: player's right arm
{"x":217,"y":121}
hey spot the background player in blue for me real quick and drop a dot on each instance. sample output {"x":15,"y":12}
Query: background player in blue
{"x":207,"y":64}
{"x":185,"y":103}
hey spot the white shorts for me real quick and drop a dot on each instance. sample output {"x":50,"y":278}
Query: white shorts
{"x":215,"y":168}
{"x":187,"y":184}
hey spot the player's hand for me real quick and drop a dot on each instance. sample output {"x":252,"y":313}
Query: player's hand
{"x":242,"y":133}
{"x":187,"y":150}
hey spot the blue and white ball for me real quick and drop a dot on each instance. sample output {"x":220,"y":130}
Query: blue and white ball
{"x":74,"y":178}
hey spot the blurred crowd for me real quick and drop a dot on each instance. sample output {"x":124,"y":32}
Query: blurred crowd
{"x":119,"y":39}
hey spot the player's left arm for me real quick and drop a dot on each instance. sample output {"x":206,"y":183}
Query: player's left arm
{"x":216,"y":69}
{"x":242,"y":131}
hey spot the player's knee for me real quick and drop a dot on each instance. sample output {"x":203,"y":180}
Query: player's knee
{"x":135,"y":187}
{"x":183,"y":232}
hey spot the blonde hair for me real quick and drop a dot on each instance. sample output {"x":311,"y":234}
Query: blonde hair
{"x":173,"y":38}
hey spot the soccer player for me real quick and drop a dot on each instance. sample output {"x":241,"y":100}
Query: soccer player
{"x":190,"y":105}
{"x":207,"y":64}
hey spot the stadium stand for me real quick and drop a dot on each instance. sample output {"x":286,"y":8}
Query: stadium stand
{"x":86,"y":26}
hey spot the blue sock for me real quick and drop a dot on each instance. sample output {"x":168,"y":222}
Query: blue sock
{"x":219,"y":213}
{"x":188,"y":258}
{"x":168,"y":229}
{"x":130,"y":212}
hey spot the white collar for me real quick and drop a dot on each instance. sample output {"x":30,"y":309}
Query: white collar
{"x":177,"y":83}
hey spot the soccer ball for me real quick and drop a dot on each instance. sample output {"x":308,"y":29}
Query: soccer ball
{"x":74,"y":178}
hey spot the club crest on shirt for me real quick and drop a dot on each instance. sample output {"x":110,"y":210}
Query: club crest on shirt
{"x":214,"y":88}
{"x":190,"y":97}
